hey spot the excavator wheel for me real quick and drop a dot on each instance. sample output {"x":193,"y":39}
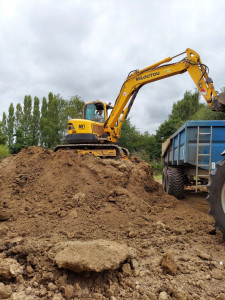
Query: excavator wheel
{"x":175,"y":182}
{"x":216,"y":197}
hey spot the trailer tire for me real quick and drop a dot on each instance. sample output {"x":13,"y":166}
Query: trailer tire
{"x":169,"y":182}
{"x":216,"y":197}
{"x":164,"y":174}
{"x":175,"y":182}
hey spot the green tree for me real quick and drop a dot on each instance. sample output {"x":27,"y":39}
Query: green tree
{"x":27,"y":120}
{"x":19,"y":116}
{"x":74,"y":107}
{"x":53,"y":124}
{"x":20,"y":141}
{"x":10,"y":125}
{"x":4,"y":125}
{"x":205,"y":113}
{"x":50,"y":121}
{"x":129,"y":136}
{"x":4,"y":151}
{"x":35,"y":125}
{"x":145,"y":147}
{"x":185,"y":108}
{"x":149,"y":145}
{"x":167,"y":128}
{"x":19,"y":129}
{"x":43,"y":123}
{"x":28,"y":126}
{"x":3,"y":136}
{"x":142,"y":145}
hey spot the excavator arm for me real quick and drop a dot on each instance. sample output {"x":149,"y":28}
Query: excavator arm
{"x":136,"y":79}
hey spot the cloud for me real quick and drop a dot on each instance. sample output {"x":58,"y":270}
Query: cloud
{"x":87,"y":48}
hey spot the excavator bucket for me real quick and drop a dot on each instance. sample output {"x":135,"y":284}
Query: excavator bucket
{"x":221,"y":98}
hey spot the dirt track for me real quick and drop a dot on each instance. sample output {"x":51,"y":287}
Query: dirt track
{"x":49,"y":197}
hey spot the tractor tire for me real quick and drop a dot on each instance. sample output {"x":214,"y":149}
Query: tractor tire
{"x":175,"y":182}
{"x":164,"y":174}
{"x":216,"y":197}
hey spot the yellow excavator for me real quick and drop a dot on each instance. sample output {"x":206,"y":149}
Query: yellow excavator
{"x":99,"y":129}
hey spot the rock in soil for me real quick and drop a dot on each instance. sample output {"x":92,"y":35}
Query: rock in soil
{"x":9,"y":268}
{"x":95,"y":255}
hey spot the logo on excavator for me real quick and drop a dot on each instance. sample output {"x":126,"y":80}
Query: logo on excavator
{"x":203,"y":91}
{"x":81,"y":126}
{"x":168,"y":70}
{"x":147,"y":76}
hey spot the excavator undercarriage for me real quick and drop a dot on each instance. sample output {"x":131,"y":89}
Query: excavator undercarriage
{"x":100,"y":150}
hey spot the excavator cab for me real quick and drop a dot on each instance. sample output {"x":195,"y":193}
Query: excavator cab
{"x":95,"y":111}
{"x":89,"y":129}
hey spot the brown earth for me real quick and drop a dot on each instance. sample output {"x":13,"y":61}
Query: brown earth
{"x":47,"y":198}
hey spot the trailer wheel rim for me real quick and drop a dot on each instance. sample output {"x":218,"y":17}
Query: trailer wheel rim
{"x":223,"y":197}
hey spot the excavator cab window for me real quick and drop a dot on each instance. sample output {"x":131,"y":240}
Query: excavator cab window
{"x":89,"y":111}
{"x":94,"y":112}
{"x":109,"y":110}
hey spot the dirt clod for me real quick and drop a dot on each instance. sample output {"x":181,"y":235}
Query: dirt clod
{"x":5,"y":291}
{"x":9,"y":268}
{"x":168,"y":264}
{"x":95,"y":255}
{"x":203,"y":255}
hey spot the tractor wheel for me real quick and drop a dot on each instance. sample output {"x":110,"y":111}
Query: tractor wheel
{"x":216,"y":197}
{"x":175,"y":182}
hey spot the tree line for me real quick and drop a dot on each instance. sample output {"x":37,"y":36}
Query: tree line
{"x":35,"y":123}
{"x":44,"y":123}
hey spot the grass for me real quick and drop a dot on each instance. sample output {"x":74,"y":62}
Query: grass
{"x":157,"y":176}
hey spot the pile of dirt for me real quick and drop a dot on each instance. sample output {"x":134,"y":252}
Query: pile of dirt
{"x":52,"y":198}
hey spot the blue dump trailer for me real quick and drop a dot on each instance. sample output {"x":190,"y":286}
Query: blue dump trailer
{"x":190,"y":155}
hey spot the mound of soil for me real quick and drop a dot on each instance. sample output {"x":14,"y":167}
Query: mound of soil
{"x":49,"y":198}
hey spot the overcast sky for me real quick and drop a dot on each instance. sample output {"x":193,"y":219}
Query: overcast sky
{"x":87,"y":48}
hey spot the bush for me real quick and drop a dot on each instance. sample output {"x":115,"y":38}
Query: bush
{"x":142,"y":154}
{"x":156,"y":165}
{"x":4,"y":151}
